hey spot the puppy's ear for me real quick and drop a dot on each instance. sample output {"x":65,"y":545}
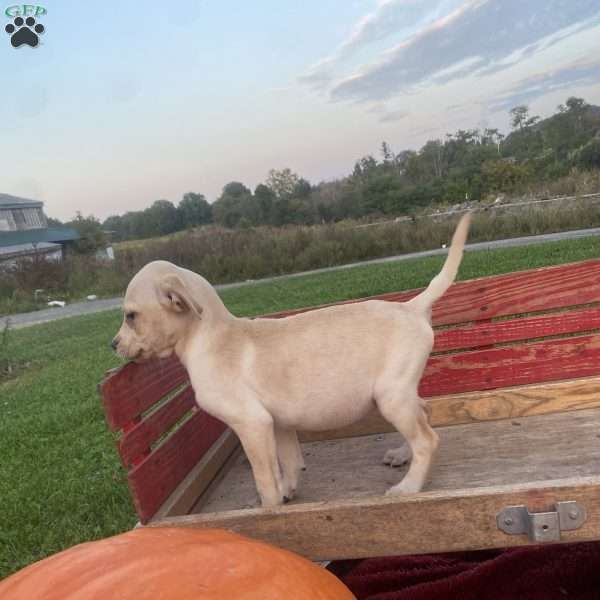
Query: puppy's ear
{"x":175,"y":296}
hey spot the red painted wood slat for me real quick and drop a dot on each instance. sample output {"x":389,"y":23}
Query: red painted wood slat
{"x":136,"y":387}
{"x":502,"y":332}
{"x":140,"y":438}
{"x":522,"y":364}
{"x":522,"y":292}
{"x":155,"y":478}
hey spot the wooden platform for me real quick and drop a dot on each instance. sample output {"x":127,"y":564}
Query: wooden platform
{"x":530,"y":449}
{"x":513,"y":387}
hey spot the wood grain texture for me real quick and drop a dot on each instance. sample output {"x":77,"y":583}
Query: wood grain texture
{"x":139,"y":439}
{"x":134,"y":388}
{"x":445,"y":521}
{"x":474,"y":407}
{"x":469,"y":456}
{"x":186,"y":494}
{"x":156,"y":477}
{"x":514,"y":330}
{"x":523,"y":292}
{"x":522,"y":364}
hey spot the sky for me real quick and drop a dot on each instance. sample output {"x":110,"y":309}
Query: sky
{"x":123,"y":103}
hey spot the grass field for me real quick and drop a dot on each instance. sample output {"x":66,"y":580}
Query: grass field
{"x":226,"y":256}
{"x":60,"y":478}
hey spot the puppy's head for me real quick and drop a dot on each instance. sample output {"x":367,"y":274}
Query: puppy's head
{"x":158,"y":312}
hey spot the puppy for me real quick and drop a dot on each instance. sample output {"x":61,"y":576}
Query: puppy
{"x":268,"y":378}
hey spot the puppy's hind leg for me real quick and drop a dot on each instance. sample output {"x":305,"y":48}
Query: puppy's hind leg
{"x":404,"y":409}
{"x":396,"y":457}
{"x":290,"y":459}
{"x":258,"y":440}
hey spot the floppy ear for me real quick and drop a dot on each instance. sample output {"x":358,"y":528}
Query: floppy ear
{"x":175,"y":296}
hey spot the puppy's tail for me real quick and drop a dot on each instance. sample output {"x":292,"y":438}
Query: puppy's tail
{"x":443,"y":280}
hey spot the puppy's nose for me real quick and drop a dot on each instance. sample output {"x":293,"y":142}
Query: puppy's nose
{"x":114,"y":343}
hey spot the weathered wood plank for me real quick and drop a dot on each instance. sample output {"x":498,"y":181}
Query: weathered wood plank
{"x":445,"y":521}
{"x":134,"y":388}
{"x":185,"y":496}
{"x":469,"y":456}
{"x":139,"y":439}
{"x":521,"y":364}
{"x":522,"y":292}
{"x":502,"y":332}
{"x":475,"y":407}
{"x":154,"y":479}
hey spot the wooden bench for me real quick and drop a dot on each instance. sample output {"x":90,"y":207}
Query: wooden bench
{"x":514,"y":390}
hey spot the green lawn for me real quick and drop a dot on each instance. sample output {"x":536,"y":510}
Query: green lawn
{"x":60,"y":477}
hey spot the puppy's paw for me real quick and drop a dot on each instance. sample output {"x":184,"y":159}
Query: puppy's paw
{"x":273,"y":502}
{"x":396,"y":457}
{"x":289,"y":491}
{"x":404,"y":487}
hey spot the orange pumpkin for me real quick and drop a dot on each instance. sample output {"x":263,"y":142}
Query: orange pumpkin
{"x":174,"y":564}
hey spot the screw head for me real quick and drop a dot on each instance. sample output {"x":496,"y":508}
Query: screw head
{"x":508,"y":521}
{"x":573,"y":514}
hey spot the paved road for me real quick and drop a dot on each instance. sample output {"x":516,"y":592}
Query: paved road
{"x":94,"y":306}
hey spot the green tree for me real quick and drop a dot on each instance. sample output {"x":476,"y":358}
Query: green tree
{"x":229,"y":208}
{"x":235,"y":189}
{"x":387,"y":154}
{"x":91,"y":236}
{"x":364,"y":167}
{"x":432,"y":154}
{"x":589,"y":155}
{"x":503,"y":175}
{"x":302,"y":189}
{"x":194,"y":210}
{"x":265,"y":198}
{"x":520,"y":117}
{"x":576,"y":109}
{"x":283,"y":182}
{"x":161,"y":218}
{"x":493,"y":136}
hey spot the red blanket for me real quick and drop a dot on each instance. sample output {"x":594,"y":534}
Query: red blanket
{"x":556,"y":572}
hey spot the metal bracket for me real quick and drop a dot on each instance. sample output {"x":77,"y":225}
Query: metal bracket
{"x":543,"y":526}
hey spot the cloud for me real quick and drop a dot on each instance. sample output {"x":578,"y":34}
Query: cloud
{"x":540,"y":84}
{"x":320,"y":76}
{"x":481,"y":35}
{"x":393,"y":115}
{"x":391,"y":17}
{"x":426,"y":131}
{"x":386,"y":114}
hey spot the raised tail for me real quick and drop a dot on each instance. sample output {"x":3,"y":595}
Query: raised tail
{"x":443,"y":280}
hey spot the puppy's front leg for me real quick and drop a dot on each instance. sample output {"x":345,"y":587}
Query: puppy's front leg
{"x":290,"y":459}
{"x":258,"y":440}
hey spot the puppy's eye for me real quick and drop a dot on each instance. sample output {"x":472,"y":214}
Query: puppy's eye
{"x":130,"y":317}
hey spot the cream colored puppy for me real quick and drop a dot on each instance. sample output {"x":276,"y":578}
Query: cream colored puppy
{"x":268,"y":378}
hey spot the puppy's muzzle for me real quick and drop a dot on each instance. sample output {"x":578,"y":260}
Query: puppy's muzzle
{"x":115,"y":343}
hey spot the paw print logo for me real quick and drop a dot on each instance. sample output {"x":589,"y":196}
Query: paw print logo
{"x":24,"y":31}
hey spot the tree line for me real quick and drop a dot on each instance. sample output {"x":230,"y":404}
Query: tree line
{"x":469,"y":164}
